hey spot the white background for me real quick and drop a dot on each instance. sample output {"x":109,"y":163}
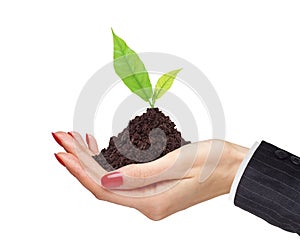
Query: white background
{"x":248,"y":49}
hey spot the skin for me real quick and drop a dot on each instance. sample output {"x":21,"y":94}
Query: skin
{"x":187,"y":176}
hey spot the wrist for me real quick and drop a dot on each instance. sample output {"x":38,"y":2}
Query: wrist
{"x":232,"y":158}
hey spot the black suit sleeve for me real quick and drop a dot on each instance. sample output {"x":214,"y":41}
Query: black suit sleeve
{"x":270,"y":187}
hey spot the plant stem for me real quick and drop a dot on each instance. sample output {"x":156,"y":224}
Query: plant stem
{"x":151,"y":103}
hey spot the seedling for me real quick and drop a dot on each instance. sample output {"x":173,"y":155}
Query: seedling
{"x":131,"y":69}
{"x":138,"y":146}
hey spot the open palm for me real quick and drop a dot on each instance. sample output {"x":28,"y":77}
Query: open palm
{"x":158,"y":188}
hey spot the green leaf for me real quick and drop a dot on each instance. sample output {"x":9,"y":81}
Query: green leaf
{"x":131,"y":69}
{"x":164,"y":83}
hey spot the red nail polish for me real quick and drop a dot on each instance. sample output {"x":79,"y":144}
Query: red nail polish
{"x":59,"y":159}
{"x":87,"y":138}
{"x":70,"y":134}
{"x":56,"y":139}
{"x":112,"y":180}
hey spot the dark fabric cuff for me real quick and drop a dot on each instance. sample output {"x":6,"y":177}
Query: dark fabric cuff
{"x":270,"y":187}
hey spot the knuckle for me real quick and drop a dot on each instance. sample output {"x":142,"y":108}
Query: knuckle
{"x":134,"y":170}
{"x":155,"y":217}
{"x":98,"y":196}
{"x":137,"y":171}
{"x":140,"y":171}
{"x":77,"y":171}
{"x":156,"y":212}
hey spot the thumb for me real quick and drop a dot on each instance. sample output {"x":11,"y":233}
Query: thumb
{"x":135,"y":176}
{"x":172,"y":166}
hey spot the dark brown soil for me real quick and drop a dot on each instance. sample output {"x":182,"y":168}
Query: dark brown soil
{"x":146,"y":138}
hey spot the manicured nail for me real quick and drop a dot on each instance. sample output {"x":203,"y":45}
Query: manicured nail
{"x":112,"y":180}
{"x":56,"y":139}
{"x":59,"y":159}
{"x":87,"y":138}
{"x":70,"y":134}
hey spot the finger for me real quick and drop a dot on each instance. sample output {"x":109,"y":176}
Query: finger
{"x":78,"y":137}
{"x":82,"y":153}
{"x":147,"y":191}
{"x":92,"y":143}
{"x":73,"y":165}
{"x":80,"y":140}
{"x":71,"y":162}
{"x":57,"y":137}
{"x":173,"y":166}
{"x":69,"y":143}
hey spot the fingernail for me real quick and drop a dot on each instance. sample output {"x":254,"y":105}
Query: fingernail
{"x":56,"y":139}
{"x":112,"y":180}
{"x":59,"y":159}
{"x":70,"y":134}
{"x":87,"y":138}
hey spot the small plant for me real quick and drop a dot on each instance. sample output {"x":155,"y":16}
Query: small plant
{"x":137,"y":143}
{"x":131,"y":69}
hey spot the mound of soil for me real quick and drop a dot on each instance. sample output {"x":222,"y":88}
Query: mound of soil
{"x":146,"y":138}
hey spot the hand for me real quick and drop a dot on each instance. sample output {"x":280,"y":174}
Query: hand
{"x":189,"y":175}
